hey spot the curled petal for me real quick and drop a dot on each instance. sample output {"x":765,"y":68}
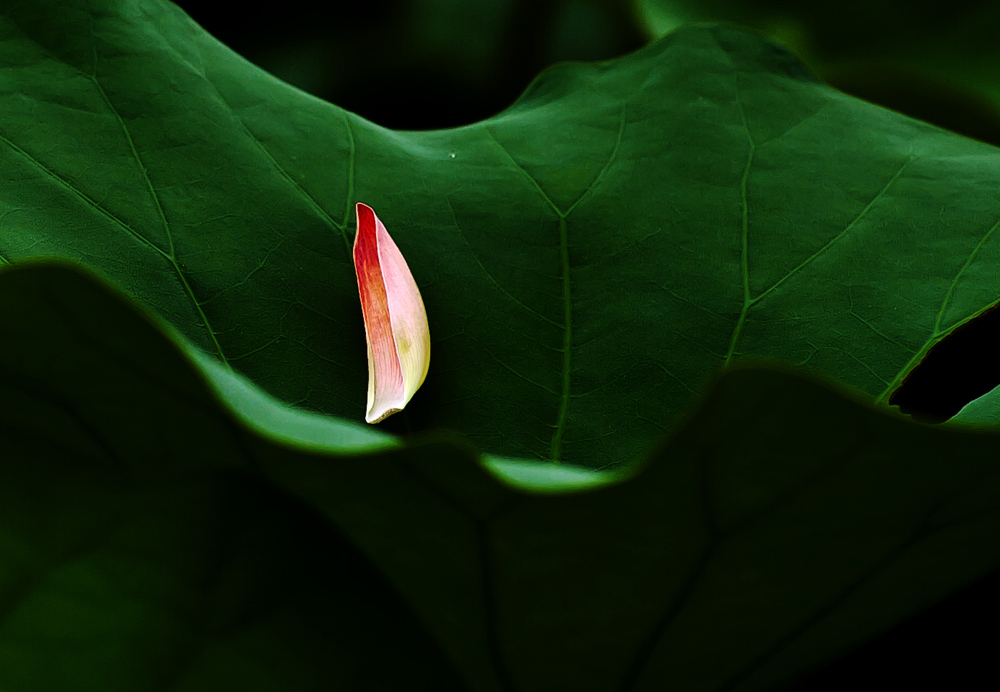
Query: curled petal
{"x":399,"y":342}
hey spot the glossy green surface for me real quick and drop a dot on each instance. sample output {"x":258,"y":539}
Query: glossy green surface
{"x":587,"y":257}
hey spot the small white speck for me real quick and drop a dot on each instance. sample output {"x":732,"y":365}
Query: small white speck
{"x":451,"y":155}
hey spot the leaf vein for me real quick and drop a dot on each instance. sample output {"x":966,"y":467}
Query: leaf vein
{"x":496,"y":283}
{"x":832,"y":241}
{"x":172,"y":255}
{"x":607,"y":165}
{"x":79,"y":194}
{"x":744,"y":235}
{"x":954,"y":283}
{"x":556,"y":450}
{"x":286,"y":176}
{"x":531,"y":179}
{"x":936,"y":331}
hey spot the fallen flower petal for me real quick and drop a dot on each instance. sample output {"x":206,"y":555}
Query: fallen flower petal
{"x":399,"y":342}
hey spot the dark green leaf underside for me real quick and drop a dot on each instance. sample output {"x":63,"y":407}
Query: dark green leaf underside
{"x":265,"y":548}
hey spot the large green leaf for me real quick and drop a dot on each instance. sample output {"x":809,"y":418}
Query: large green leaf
{"x":144,"y":544}
{"x":587,"y":257}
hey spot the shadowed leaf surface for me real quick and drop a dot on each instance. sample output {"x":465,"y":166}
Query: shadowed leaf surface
{"x":271,"y":548}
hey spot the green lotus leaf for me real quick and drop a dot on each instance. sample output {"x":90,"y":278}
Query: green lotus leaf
{"x":587,"y":258}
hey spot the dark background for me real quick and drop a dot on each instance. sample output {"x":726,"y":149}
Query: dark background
{"x":421,"y":64}
{"x":428,"y":64}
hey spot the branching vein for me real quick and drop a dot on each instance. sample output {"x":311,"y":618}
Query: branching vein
{"x":555,"y":450}
{"x":309,"y":199}
{"x":531,"y":179}
{"x":936,"y":331}
{"x":171,"y":255}
{"x":342,"y":227}
{"x":79,"y":194}
{"x":832,"y":241}
{"x":607,"y":165}
{"x":496,"y":283}
{"x":954,"y":283}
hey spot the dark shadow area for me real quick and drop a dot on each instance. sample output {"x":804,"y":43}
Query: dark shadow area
{"x":949,"y":646}
{"x":920,"y":96}
{"x":417,"y":65}
{"x":287,"y":577}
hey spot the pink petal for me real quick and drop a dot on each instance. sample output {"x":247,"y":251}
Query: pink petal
{"x":399,"y":342}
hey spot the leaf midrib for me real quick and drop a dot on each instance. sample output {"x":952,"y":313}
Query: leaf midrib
{"x":555,"y":448}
